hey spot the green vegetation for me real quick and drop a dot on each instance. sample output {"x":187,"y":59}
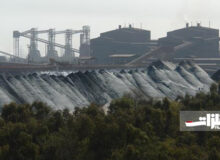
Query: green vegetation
{"x":132,"y":129}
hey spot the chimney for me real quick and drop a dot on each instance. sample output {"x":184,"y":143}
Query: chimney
{"x":187,"y":25}
{"x":119,"y":27}
{"x":130,"y":26}
{"x":198,"y":25}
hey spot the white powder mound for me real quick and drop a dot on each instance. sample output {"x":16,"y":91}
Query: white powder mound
{"x":68,"y":90}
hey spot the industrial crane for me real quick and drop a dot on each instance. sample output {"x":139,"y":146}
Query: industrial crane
{"x":32,"y":34}
{"x":68,"y":40}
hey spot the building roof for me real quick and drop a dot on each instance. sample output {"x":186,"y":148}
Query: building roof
{"x":190,"y":32}
{"x":126,"y":29}
{"x":195,"y":28}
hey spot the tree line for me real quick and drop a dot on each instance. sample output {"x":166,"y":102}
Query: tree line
{"x":131,"y":129}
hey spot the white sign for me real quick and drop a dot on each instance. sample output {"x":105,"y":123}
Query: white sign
{"x":200,"y":120}
{"x":210,"y":120}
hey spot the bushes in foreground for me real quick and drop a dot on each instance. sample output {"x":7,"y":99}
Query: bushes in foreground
{"x":130,"y":130}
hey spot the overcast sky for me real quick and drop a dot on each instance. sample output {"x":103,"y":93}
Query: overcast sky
{"x":159,"y":16}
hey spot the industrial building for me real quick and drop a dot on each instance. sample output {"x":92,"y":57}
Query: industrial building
{"x":193,"y":42}
{"x":121,"y":45}
{"x":130,"y":45}
{"x":196,"y":43}
{"x":124,"y":46}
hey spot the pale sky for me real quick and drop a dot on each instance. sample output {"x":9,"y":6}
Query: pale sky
{"x":159,"y":16}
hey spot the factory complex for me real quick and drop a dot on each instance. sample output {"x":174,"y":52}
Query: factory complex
{"x":124,"y":46}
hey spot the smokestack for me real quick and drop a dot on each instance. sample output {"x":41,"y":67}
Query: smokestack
{"x":187,"y":25}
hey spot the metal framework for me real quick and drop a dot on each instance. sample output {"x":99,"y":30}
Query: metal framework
{"x":33,"y":33}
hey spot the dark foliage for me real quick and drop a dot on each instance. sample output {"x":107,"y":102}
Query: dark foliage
{"x":130,"y":130}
